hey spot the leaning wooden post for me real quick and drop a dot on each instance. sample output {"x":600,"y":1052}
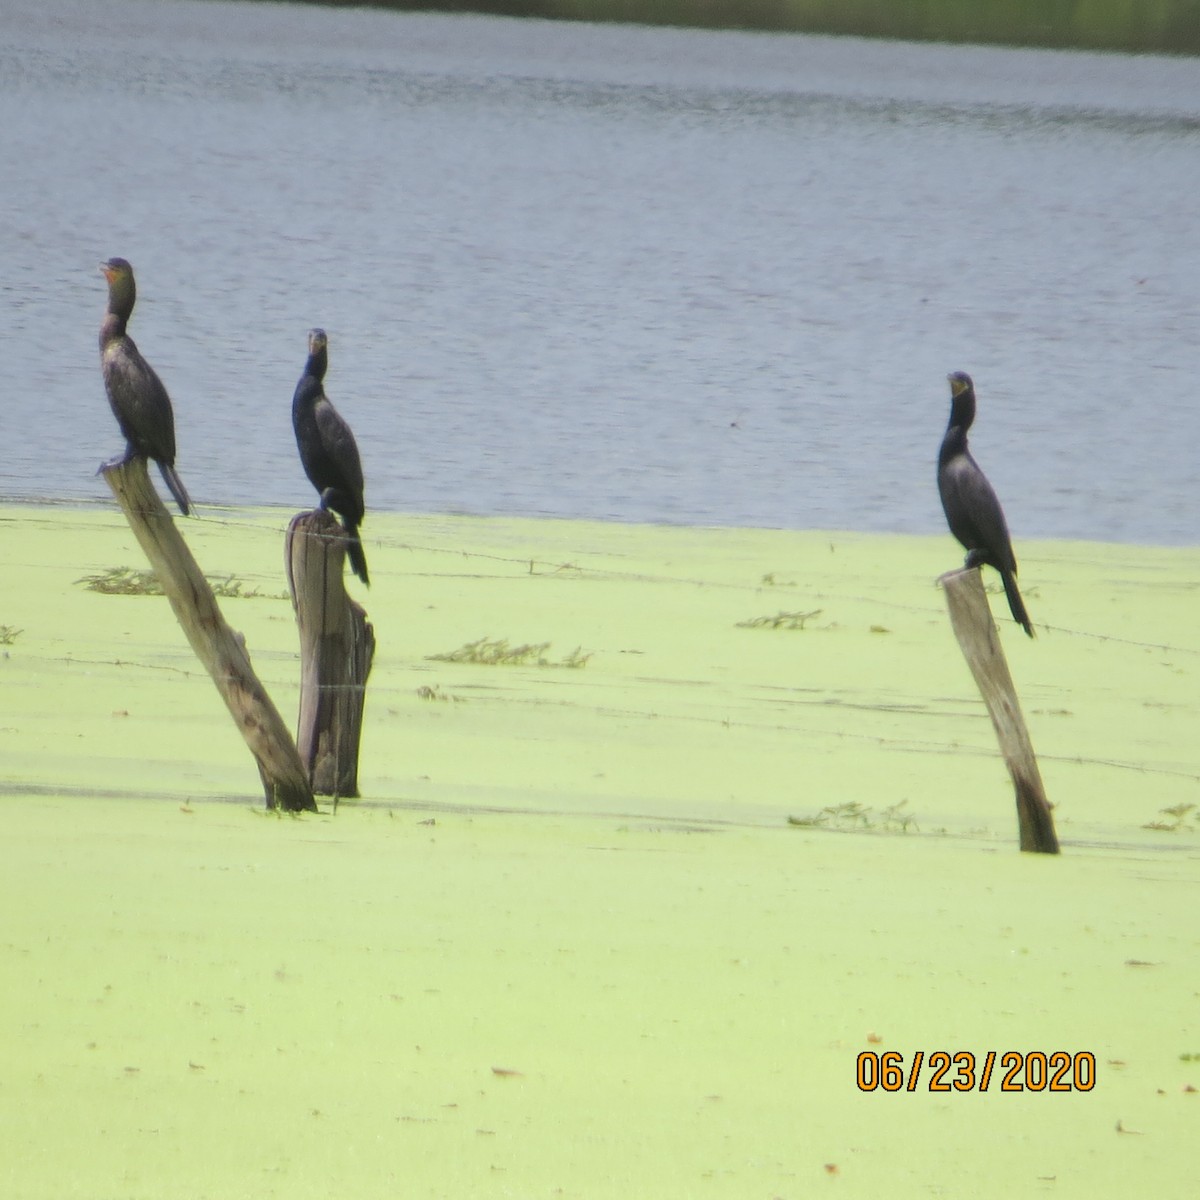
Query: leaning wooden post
{"x":971,"y":619}
{"x":337,"y":646}
{"x":221,"y":649}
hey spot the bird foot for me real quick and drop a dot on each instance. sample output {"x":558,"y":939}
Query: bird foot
{"x":119,"y":460}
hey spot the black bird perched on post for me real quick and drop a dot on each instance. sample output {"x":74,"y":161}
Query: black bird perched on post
{"x":136,"y":394}
{"x":328,"y":450}
{"x":972,"y":509}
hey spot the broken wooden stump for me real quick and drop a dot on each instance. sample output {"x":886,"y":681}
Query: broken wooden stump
{"x":971,"y":619}
{"x":337,"y":646}
{"x":221,"y":649}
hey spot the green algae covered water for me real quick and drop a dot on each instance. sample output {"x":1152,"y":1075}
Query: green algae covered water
{"x":571,"y":940}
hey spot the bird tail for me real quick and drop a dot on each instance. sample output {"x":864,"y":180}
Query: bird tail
{"x":1015,"y":603}
{"x":358,"y":559}
{"x":176,"y":486}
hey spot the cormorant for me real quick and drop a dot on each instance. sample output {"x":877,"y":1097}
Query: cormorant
{"x":137,"y":396}
{"x":328,"y":450}
{"x":972,"y":510}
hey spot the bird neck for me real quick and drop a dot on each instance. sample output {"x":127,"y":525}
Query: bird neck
{"x":962,"y":413}
{"x":317,"y":363}
{"x":307,"y":395}
{"x":111,"y":328}
{"x":122,"y":295}
{"x":953,"y":444}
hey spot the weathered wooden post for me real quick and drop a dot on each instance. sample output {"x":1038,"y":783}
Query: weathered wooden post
{"x":221,"y":649}
{"x":337,"y":646}
{"x":972,"y":621}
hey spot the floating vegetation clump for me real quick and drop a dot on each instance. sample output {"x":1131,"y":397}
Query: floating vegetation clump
{"x":123,"y":581}
{"x":498,"y":653}
{"x":9,"y":634}
{"x":233,"y":588}
{"x":781,"y":620}
{"x":126,"y":581}
{"x":1177,"y":819}
{"x":851,"y":815}
{"x":435,"y":693}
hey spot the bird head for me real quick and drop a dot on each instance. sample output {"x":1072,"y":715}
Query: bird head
{"x":122,"y":291}
{"x":960,"y":382}
{"x":116,"y":268}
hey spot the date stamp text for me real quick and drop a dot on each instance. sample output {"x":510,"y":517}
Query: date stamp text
{"x":963,"y":1071}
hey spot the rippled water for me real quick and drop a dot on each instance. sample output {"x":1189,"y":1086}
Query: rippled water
{"x":604,"y":271}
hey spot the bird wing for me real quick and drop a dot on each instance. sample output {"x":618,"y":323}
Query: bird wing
{"x":340,"y":446}
{"x":973,"y":511}
{"x":328,"y":450}
{"x":139,"y":401}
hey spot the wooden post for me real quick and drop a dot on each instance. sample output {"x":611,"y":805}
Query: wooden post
{"x":971,"y":619}
{"x":337,"y":646}
{"x":221,"y":649}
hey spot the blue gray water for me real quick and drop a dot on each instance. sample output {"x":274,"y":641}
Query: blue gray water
{"x":602,"y":271}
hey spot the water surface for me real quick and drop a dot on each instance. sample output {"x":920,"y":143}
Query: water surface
{"x":604,"y":271}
